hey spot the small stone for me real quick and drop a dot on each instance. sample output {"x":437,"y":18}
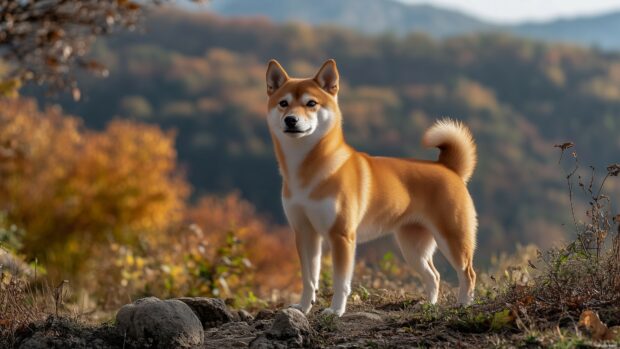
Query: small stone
{"x":264,"y":314}
{"x":290,"y":329}
{"x":244,"y":315}
{"x":159,"y":324}
{"x":289,"y":323}
{"x":212,"y":312}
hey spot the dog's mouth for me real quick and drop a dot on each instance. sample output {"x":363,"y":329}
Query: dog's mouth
{"x":296,"y":131}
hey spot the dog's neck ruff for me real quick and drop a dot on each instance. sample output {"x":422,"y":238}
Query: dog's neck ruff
{"x":306,"y":161}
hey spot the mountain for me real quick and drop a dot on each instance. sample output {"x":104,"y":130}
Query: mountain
{"x":390,"y":16}
{"x":367,"y":16}
{"x":602,"y":30}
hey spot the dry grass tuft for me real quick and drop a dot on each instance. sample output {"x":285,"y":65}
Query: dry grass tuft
{"x":581,"y":275}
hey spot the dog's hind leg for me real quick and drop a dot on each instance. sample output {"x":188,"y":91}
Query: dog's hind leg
{"x":417,"y":245}
{"x":456,"y":239}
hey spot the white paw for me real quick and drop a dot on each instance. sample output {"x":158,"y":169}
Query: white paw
{"x":466,"y":300}
{"x":464,"y":304}
{"x":299,"y":307}
{"x":332,"y":312}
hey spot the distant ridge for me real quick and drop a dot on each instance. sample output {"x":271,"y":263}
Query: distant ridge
{"x":599,"y":30}
{"x":390,"y":16}
{"x":367,"y":16}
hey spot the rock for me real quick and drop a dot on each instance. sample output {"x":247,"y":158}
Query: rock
{"x":290,"y":329}
{"x":262,"y":342}
{"x":212,"y":312}
{"x":261,"y":325}
{"x":289,"y":323}
{"x":159,"y":324}
{"x":244,"y":315}
{"x":264,"y":314}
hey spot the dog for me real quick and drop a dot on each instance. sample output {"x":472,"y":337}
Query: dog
{"x":330,"y":191}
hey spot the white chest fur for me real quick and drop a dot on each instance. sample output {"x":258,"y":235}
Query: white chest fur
{"x":319,"y":215}
{"x":299,"y":207}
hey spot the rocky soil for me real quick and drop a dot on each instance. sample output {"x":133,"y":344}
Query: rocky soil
{"x":209,"y":323}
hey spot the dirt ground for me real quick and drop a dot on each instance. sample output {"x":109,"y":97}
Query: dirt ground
{"x":381,"y":321}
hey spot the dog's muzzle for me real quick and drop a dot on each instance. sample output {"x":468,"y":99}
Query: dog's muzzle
{"x":292,"y":125}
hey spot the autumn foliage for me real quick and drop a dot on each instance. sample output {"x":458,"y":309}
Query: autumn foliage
{"x":71,"y":189}
{"x":270,"y":248}
{"x":110,"y":208}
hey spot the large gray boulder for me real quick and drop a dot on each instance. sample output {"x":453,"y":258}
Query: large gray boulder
{"x":159,"y":324}
{"x":211,"y":312}
{"x":290,"y":329}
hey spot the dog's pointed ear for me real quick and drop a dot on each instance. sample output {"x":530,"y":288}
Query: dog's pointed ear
{"x":276,"y":76}
{"x":328,"y":77}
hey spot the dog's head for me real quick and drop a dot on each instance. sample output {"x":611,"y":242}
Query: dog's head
{"x":299,"y":108}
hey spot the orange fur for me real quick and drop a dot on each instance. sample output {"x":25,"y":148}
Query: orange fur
{"x":325,"y":181}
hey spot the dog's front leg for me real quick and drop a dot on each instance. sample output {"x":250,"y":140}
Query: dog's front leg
{"x":309,"y":249}
{"x":343,"y":256}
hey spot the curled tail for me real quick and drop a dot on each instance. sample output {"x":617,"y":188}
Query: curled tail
{"x":457,"y":146}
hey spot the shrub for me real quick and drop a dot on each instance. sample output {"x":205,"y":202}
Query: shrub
{"x":586,"y":272}
{"x":229,"y":252}
{"x":582,"y":274}
{"x":68,"y":190}
{"x":109,"y":208}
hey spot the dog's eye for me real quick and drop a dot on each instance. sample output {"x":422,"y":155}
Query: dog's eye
{"x":283,"y":104}
{"x":311,"y":104}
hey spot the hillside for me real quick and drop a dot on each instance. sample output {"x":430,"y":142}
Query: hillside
{"x":519,"y":97}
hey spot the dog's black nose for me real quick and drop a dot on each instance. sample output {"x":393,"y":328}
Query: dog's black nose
{"x":290,"y":121}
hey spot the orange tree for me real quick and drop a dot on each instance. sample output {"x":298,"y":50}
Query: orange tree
{"x":70,"y":190}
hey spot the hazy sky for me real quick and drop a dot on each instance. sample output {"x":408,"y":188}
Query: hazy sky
{"x":519,"y":10}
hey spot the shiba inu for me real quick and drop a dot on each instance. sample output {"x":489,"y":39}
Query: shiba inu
{"x":332,"y":192}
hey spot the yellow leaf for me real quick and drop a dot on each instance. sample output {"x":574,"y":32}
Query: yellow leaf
{"x":139,"y":262}
{"x":10,"y":88}
{"x":501,"y":319}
